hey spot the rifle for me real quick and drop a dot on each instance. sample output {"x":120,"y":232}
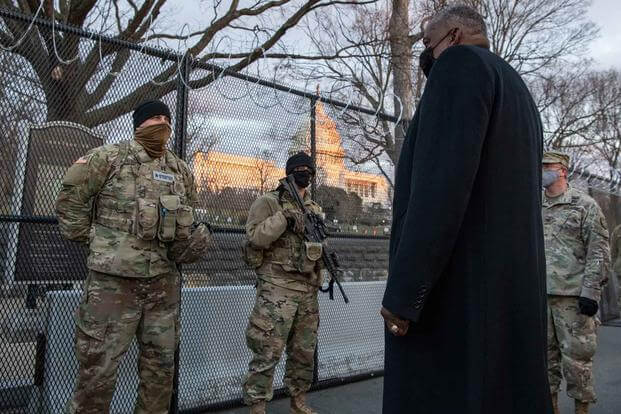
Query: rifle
{"x":315,"y":231}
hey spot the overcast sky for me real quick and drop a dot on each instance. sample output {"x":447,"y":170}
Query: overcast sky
{"x":605,"y":50}
{"x":605,"y":13}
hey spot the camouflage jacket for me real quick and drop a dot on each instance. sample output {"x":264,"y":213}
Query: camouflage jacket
{"x":576,"y":241}
{"x":615,"y":249}
{"x":287,"y":259}
{"x":128,"y":207}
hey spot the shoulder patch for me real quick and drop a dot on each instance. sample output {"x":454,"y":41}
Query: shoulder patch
{"x":82,"y":160}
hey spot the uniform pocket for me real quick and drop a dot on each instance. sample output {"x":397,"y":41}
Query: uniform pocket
{"x":260,"y":337}
{"x":571,"y":226}
{"x":252,"y":256}
{"x":90,"y":345}
{"x":169,"y":206}
{"x":262,"y":323}
{"x":185,"y":218}
{"x":313,"y":251}
{"x":146,"y":227}
{"x":90,"y":325}
{"x":178,"y":187}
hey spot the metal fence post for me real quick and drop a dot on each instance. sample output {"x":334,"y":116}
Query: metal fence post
{"x":182,"y":107}
{"x":313,"y":145}
{"x":180,"y":149}
{"x":313,"y":142}
{"x":223,"y":270}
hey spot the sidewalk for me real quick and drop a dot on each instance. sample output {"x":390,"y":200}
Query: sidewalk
{"x":365,"y":397}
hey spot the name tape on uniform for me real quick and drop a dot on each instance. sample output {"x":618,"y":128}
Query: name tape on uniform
{"x":161,"y":176}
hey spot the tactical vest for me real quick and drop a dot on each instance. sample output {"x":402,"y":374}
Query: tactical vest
{"x":290,"y":257}
{"x":139,"y":211}
{"x":565,"y":221}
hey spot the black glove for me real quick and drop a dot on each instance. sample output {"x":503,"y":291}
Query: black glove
{"x":295,"y":220}
{"x":587,"y":306}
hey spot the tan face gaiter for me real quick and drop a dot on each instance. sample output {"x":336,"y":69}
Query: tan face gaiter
{"x":153,"y":139}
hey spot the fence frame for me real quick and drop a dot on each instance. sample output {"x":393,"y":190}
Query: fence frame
{"x":186,"y":64}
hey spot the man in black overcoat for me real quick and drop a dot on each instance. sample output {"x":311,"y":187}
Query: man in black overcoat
{"x":465,"y":301}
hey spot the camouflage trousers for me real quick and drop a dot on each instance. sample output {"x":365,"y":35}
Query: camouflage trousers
{"x":113,"y":310}
{"x":281,"y":317}
{"x":572,"y":339}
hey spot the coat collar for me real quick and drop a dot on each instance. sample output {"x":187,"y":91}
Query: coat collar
{"x":307,"y":197}
{"x":565,"y":198}
{"x":141,"y":155}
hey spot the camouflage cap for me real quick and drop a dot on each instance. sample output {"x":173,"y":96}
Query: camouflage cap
{"x":194,"y":248}
{"x":556,"y":157}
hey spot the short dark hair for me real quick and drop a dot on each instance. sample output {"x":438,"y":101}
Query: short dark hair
{"x":462,"y":15}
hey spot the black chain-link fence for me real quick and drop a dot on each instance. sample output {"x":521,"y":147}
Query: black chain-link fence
{"x":64,"y":91}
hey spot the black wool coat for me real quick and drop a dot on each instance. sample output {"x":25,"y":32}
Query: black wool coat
{"x":467,"y":264}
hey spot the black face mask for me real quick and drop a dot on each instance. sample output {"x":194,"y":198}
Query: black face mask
{"x":426,"y":59}
{"x":302,"y":178}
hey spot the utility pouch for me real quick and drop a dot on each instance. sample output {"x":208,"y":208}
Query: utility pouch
{"x":185,"y":218}
{"x":146,"y":220}
{"x":313,"y":251}
{"x":169,"y":205}
{"x":252,"y":256}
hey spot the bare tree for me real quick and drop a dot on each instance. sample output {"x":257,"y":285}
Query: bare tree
{"x":358,"y":71}
{"x":401,"y":61}
{"x":606,"y":132}
{"x":575,"y":105}
{"x":368,"y":52}
{"x":15,"y":108}
{"x":69,"y":70}
{"x":196,"y":139}
{"x":535,"y":35}
{"x":604,"y":138}
{"x":267,"y":173}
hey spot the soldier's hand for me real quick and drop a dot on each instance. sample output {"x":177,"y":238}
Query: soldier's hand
{"x":295,"y":220}
{"x":587,"y":306}
{"x":396,"y":325}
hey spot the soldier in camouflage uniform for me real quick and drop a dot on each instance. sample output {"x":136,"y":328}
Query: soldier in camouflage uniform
{"x":286,"y":312}
{"x":131,"y":203}
{"x":577,"y":255}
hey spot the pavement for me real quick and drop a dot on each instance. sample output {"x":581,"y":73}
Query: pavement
{"x":365,"y":397}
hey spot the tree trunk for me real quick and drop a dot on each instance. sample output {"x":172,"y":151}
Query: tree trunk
{"x":401,"y":54}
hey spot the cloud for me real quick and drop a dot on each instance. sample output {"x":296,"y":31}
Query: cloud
{"x":604,"y":50}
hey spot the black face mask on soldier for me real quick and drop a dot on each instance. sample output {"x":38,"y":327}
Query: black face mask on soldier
{"x":426,"y":59}
{"x":302,"y":178}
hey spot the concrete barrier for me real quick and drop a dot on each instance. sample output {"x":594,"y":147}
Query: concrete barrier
{"x":213,"y":356}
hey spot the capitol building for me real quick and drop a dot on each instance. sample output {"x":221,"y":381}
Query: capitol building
{"x":216,"y":170}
